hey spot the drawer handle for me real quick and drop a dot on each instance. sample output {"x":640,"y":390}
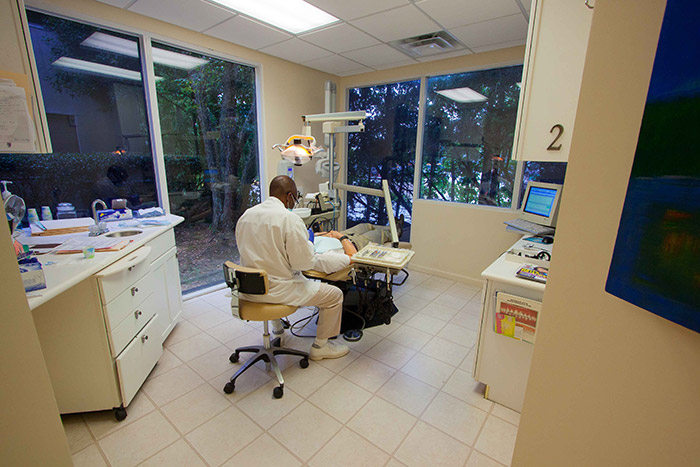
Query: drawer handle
{"x":144,"y":338}
{"x":137,"y":313}
{"x":134,"y":290}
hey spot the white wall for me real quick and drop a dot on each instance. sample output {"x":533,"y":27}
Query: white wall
{"x":29,"y":411}
{"x":610,"y":383}
{"x":450,"y":239}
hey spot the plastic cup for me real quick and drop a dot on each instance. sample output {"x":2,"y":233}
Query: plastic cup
{"x":89,"y":252}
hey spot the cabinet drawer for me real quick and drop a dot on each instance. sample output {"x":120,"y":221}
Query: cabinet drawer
{"x":122,"y":334}
{"x":137,"y":360}
{"x":125,"y":303}
{"x":161,"y":244}
{"x":114,"y":279}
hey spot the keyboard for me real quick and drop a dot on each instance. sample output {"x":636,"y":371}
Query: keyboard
{"x":530,"y":227}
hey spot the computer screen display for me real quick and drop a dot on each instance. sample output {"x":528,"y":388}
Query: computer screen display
{"x":541,"y":203}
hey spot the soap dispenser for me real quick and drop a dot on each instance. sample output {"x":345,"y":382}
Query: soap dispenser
{"x":5,"y":192}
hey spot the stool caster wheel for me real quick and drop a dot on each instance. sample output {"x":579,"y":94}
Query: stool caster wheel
{"x":119,"y":413}
{"x":304,"y":363}
{"x":234,"y":357}
{"x":228,"y":389}
{"x":278,"y":392}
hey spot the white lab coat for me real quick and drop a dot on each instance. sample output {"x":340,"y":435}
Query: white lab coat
{"x":272,"y":238}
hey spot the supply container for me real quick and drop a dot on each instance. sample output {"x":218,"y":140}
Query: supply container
{"x":65,"y":211}
{"x":46,"y":213}
{"x":32,"y":216}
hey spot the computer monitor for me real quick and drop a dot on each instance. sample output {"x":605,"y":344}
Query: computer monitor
{"x":541,"y":203}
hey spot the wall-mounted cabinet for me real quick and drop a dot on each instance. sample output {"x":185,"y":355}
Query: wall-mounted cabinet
{"x":17,"y":64}
{"x":554,"y":59}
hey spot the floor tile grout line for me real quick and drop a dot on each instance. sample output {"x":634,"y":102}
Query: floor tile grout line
{"x":338,"y":372}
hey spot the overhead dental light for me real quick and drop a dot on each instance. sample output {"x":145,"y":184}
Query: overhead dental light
{"x":295,"y":16}
{"x":296,"y":152}
{"x":300,"y":149}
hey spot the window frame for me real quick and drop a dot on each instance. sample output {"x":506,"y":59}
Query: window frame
{"x":145,"y":40}
{"x":515,"y":198}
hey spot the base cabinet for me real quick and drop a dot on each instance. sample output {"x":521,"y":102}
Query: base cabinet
{"x":102,"y":337}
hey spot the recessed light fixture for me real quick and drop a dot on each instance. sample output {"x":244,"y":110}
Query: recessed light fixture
{"x":119,"y":45}
{"x":295,"y":16}
{"x":98,"y":68}
{"x":464,"y":95}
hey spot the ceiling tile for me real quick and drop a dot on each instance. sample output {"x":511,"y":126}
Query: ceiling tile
{"x":352,"y":9}
{"x":196,"y":15}
{"x":454,"y":13}
{"x":507,"y":29}
{"x":396,"y":24}
{"x":296,"y":50}
{"x":386,"y":66}
{"x":340,"y":38}
{"x":335,"y":64}
{"x":501,"y":45}
{"x":117,"y":3}
{"x":377,"y":55}
{"x":246,"y":32}
{"x":457,"y":53}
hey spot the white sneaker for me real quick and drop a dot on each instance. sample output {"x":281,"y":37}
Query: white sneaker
{"x":330,"y":350}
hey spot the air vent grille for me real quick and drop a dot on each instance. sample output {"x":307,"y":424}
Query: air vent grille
{"x":428,"y":44}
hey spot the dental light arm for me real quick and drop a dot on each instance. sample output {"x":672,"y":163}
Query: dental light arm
{"x":383,"y":193}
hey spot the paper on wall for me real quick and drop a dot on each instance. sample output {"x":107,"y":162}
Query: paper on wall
{"x":17,"y":133}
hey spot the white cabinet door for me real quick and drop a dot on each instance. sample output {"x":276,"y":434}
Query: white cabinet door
{"x":172,"y":281}
{"x":554,"y":59}
{"x":138,"y":359}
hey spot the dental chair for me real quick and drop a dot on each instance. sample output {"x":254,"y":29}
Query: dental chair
{"x":255,"y":282}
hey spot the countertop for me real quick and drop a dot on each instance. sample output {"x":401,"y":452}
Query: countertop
{"x":66,"y":270}
{"x":503,"y":270}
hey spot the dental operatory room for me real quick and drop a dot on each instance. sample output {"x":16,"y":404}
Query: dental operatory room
{"x":320,"y":233}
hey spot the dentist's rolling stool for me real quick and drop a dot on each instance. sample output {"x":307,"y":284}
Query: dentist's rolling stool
{"x":254,"y":282}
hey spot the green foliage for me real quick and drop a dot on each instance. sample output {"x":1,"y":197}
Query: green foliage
{"x":467,"y":147}
{"x":385,"y":150}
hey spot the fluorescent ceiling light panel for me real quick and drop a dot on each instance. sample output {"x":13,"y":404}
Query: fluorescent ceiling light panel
{"x":464,"y":95}
{"x":119,"y":45}
{"x":295,"y":16}
{"x":99,"y":68}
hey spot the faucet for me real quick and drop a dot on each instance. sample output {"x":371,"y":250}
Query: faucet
{"x":94,"y":211}
{"x":99,"y":228}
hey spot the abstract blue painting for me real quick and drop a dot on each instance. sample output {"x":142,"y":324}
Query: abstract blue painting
{"x":656,"y":261}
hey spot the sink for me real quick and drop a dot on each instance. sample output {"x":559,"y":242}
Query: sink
{"x":124,"y":233}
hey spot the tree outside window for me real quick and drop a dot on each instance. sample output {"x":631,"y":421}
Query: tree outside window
{"x":468,"y":137}
{"x":386,"y":150}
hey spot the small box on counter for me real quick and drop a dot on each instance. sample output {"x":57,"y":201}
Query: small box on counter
{"x":114,"y":214}
{"x":31,"y":271}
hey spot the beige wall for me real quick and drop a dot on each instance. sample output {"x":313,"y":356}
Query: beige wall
{"x":29,"y":410}
{"x":610,"y":383}
{"x":450,"y":239}
{"x":288,"y":90}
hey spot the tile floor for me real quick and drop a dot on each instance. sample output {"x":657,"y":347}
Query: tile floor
{"x":403,"y":396}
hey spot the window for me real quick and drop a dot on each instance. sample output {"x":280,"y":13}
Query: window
{"x":385,"y":150}
{"x":93,"y":90}
{"x":96,"y":110}
{"x":208,"y":122}
{"x":468,"y":137}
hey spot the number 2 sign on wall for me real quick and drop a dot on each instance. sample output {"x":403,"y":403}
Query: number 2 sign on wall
{"x":553,"y":146}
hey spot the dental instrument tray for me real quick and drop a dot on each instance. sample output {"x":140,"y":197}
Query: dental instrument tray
{"x":383,"y":256}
